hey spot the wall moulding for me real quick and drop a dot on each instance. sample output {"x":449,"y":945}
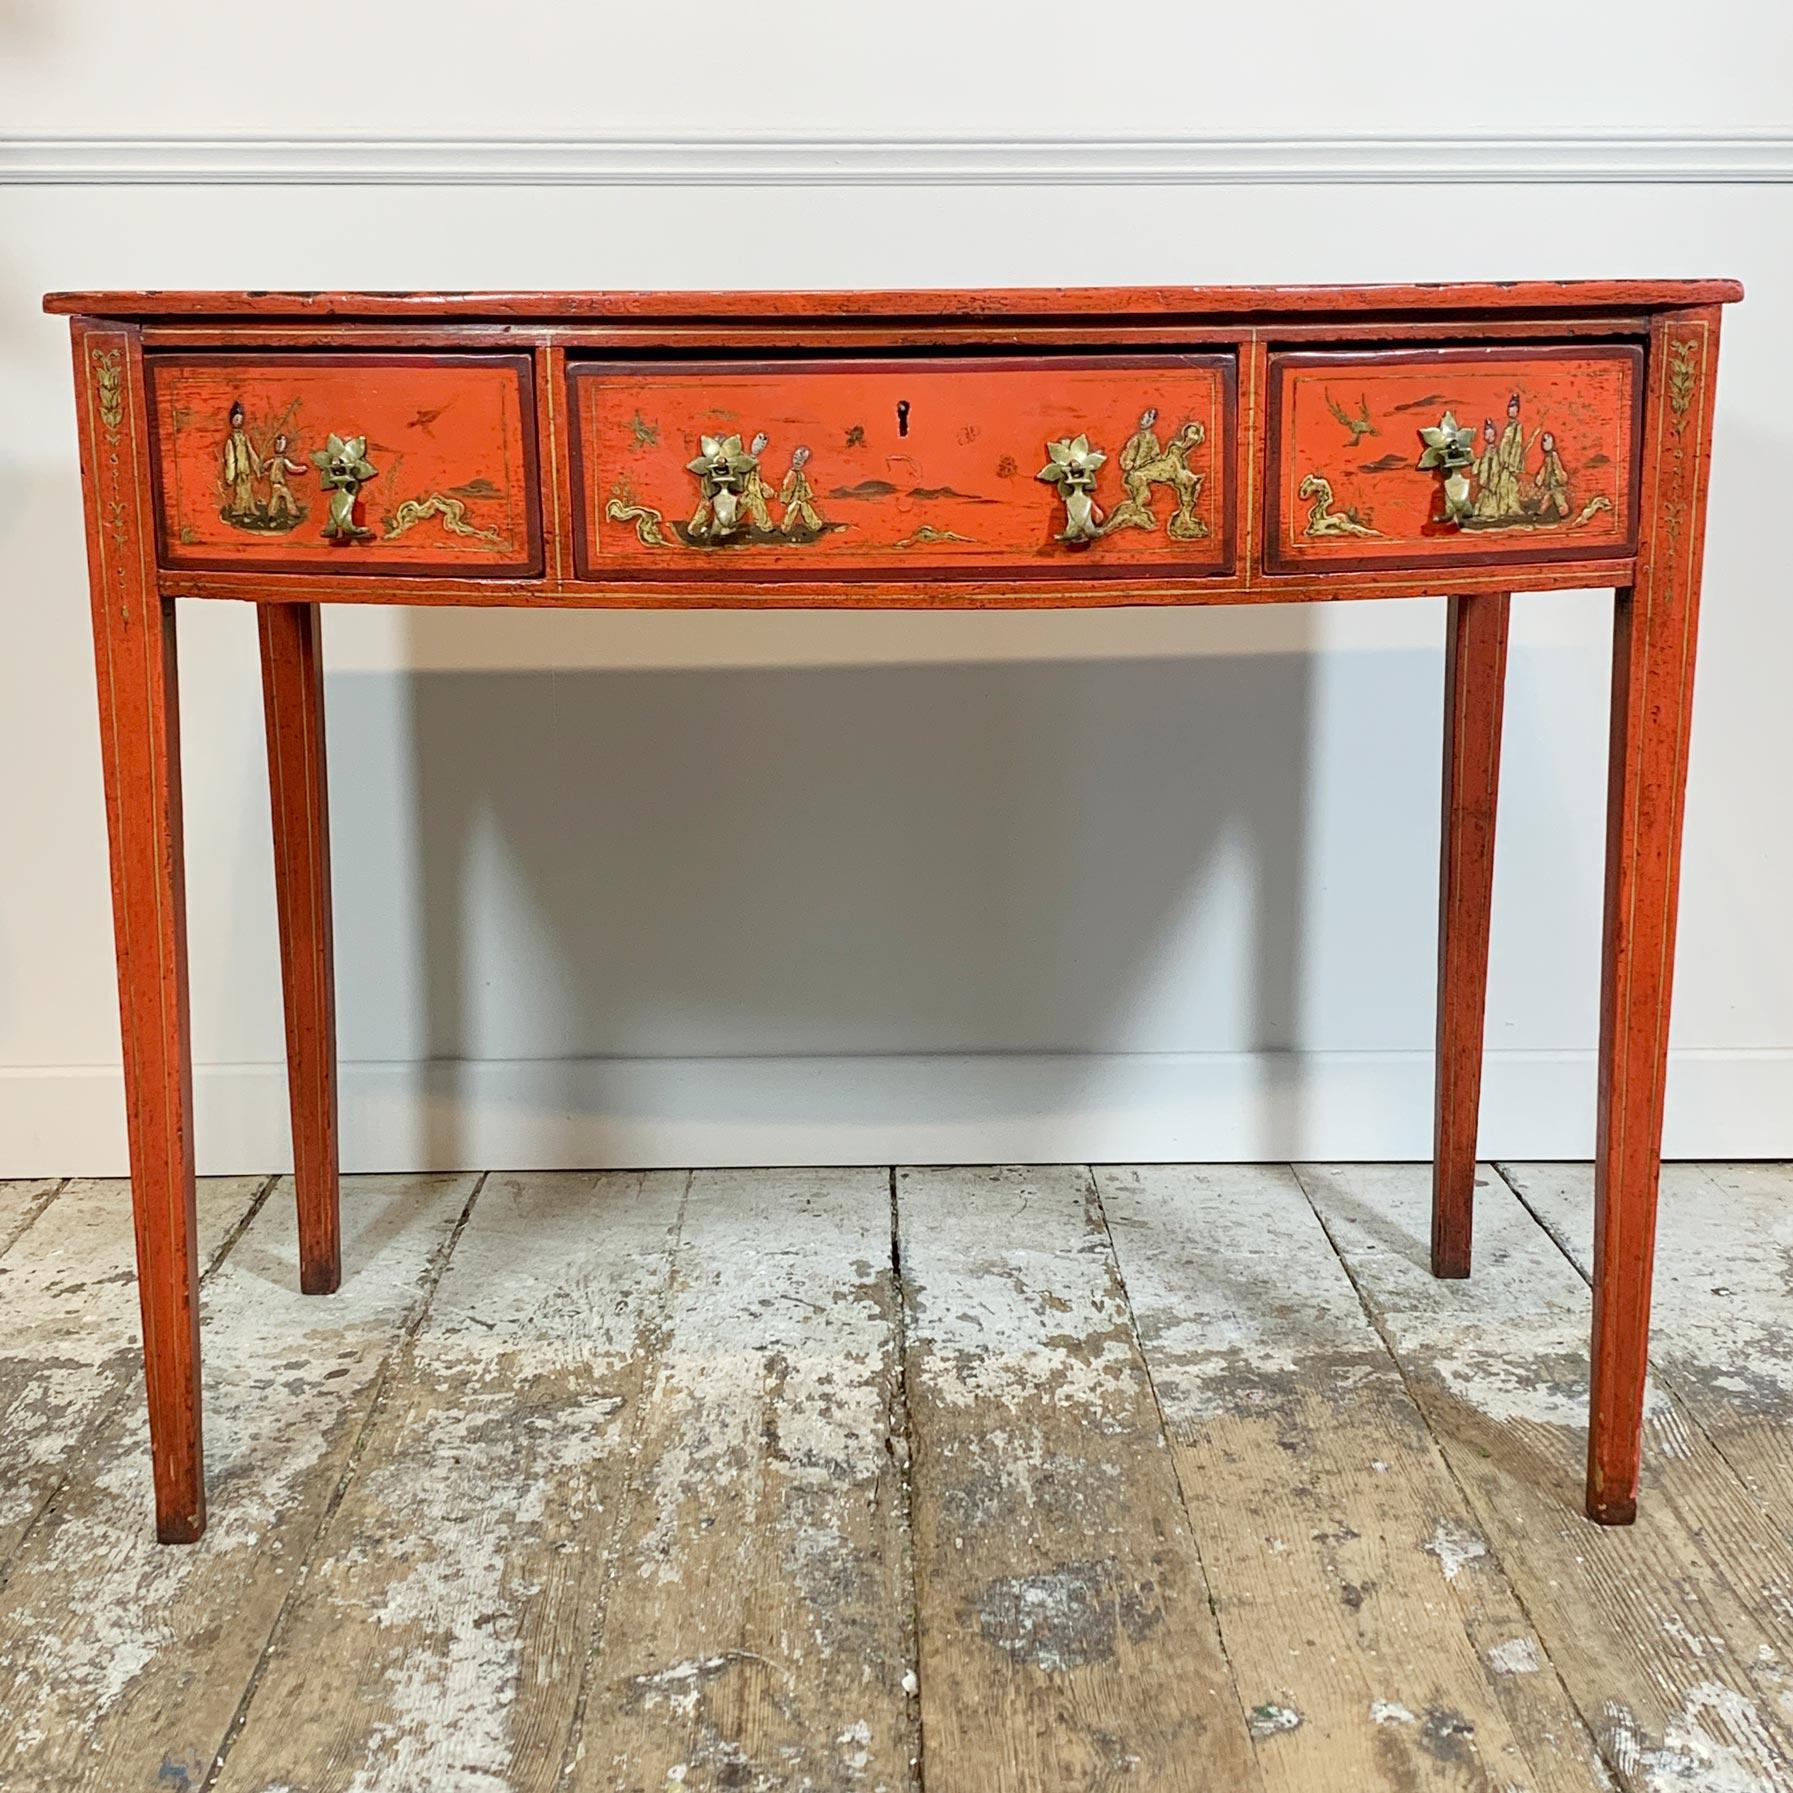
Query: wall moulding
{"x":871,"y":161}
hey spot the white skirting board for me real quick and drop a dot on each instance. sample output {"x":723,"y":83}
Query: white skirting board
{"x":918,"y":1109}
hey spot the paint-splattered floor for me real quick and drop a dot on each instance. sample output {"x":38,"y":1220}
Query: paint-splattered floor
{"x":944,"y":1479}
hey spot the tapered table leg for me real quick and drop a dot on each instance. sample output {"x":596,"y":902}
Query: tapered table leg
{"x":293,"y":697}
{"x":1475,"y":682}
{"x":1652,"y":704}
{"x":134,"y":651}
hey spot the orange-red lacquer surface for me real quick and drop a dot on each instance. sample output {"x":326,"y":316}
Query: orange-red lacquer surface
{"x":1552,"y":446}
{"x":451,"y":439}
{"x":916,"y":487}
{"x":927,"y":467}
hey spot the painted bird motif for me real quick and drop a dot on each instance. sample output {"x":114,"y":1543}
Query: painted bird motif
{"x":1360,"y":425}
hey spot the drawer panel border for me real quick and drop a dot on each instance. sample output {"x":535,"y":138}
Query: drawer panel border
{"x":1223,"y":357}
{"x":520,"y":363}
{"x":1520,"y":554}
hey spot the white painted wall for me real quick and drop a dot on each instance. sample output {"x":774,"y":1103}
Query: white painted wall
{"x":632,"y":889}
{"x":1044,"y":68}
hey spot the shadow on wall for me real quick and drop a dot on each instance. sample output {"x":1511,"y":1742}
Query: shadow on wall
{"x":841,"y":860}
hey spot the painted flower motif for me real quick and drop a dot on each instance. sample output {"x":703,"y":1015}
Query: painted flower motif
{"x":1448,"y":444}
{"x":1073,"y":462}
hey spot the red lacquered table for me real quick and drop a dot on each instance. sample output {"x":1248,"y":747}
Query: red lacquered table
{"x":914,"y":450}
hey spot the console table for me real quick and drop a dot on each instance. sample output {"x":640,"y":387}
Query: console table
{"x":1227,"y":445}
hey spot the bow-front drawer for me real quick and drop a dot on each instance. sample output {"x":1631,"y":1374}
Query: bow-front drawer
{"x":1427,"y":457}
{"x":1111,"y":466}
{"x":370,"y":463}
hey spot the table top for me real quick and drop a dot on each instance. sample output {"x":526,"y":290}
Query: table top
{"x":1073,"y":301}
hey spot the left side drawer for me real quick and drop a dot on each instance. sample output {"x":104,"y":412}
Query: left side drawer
{"x":330,"y":463}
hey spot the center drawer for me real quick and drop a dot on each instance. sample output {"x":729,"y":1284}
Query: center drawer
{"x":1025,"y":466}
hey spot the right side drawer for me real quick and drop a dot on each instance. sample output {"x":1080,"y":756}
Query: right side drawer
{"x":1421,"y":457}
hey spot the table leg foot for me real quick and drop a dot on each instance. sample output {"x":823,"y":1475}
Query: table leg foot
{"x":1614,"y":1510}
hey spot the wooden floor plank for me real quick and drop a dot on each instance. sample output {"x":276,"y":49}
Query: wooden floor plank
{"x":22,"y":1199}
{"x":638,"y":1514}
{"x":441,"y":1633}
{"x":70,"y":1346}
{"x":122,"y":1661}
{"x":1671,"y":1635}
{"x":1065,"y":1632}
{"x":1317,"y":1494}
{"x":756,"y":1635}
{"x":1721,"y":1332}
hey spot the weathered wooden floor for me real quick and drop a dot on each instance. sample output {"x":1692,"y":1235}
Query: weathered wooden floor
{"x":965,"y":1480}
